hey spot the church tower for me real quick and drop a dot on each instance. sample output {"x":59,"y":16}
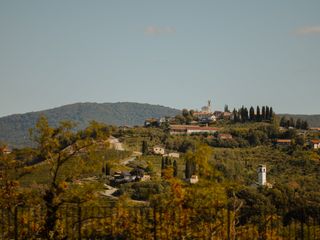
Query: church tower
{"x":262,"y":175}
{"x":207,"y":109}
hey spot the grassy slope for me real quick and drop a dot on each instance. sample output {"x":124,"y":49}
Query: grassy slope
{"x":90,"y":166}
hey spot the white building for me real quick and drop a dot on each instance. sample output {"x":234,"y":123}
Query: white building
{"x":190,"y":129}
{"x":194,"y":179}
{"x":207,"y":109}
{"x":172,"y":154}
{"x":158,"y":150}
{"x":315,"y":144}
{"x":262,"y":175}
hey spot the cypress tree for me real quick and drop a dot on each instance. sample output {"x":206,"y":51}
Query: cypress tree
{"x":264,"y":114}
{"x":268,"y":113}
{"x":188,"y":169}
{"x":258,"y":114}
{"x":247,"y":114}
{"x":244,"y":114}
{"x":107,"y":170}
{"x":163,"y":165}
{"x":235,"y":115}
{"x":271,"y":113}
{"x":167,"y":163}
{"x":251,"y":113}
{"x":144,"y":149}
{"x":241,"y":113}
{"x":175,"y":168}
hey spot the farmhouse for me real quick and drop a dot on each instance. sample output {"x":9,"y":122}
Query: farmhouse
{"x":172,"y":154}
{"x":189,"y":129}
{"x":224,"y":136}
{"x":283,"y":142}
{"x":315,"y":144}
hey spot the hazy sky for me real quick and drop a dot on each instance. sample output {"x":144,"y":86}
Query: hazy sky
{"x":173,"y":53}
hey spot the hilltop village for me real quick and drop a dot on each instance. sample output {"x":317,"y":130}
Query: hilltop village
{"x":215,"y":128}
{"x":248,"y":161}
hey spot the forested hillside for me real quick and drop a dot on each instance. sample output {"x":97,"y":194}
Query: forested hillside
{"x":313,"y":120}
{"x":14,"y":128}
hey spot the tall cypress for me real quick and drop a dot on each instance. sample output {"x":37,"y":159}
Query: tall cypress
{"x":108,"y":170}
{"x":258,"y":114}
{"x":264,"y":114}
{"x":175,"y":168}
{"x":167,"y":162}
{"x":247,"y":114}
{"x":251,"y":113}
{"x":144,"y":149}
{"x":271,"y":113}
{"x":241,"y":113}
{"x":235,"y":115}
{"x":163,"y":165}
{"x":188,"y":169}
{"x":268,"y":113}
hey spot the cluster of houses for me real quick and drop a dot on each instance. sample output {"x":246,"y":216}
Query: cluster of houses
{"x":160,"y":150}
{"x":204,"y":116}
{"x":136,"y":175}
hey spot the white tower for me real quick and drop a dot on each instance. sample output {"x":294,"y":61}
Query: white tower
{"x":262,"y":175}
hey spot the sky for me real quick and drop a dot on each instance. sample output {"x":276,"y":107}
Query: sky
{"x":176,"y":53}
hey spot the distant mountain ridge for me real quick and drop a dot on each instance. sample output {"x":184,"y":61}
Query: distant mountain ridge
{"x":14,"y":128}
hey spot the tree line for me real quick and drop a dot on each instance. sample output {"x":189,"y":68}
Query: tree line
{"x":244,"y":115}
{"x":298,"y":124}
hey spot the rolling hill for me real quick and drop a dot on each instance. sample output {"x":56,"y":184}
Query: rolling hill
{"x":14,"y":128}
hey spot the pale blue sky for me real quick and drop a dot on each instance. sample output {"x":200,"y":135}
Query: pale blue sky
{"x":173,"y":53}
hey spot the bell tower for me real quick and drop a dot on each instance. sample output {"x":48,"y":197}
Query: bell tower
{"x":262,"y":175}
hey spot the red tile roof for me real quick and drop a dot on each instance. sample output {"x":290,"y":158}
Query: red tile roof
{"x":283,"y":140}
{"x":225,"y":136}
{"x":191,"y":127}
